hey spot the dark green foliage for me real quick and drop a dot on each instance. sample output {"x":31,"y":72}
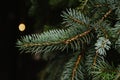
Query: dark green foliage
{"x":47,"y":12}
{"x":73,"y":68}
{"x":63,"y":3}
{"x":104,"y":71}
{"x":81,"y":51}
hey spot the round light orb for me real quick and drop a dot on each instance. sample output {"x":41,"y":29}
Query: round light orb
{"x":21,"y":27}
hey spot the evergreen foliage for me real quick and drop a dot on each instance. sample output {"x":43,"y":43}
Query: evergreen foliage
{"x":80,"y":50}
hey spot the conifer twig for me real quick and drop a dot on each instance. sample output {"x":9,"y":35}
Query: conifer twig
{"x":101,"y":5}
{"x":95,"y":58}
{"x":77,"y":36}
{"x":104,"y":31}
{"x":76,"y":66}
{"x":105,"y":15}
{"x":83,"y":6}
{"x":78,"y":21}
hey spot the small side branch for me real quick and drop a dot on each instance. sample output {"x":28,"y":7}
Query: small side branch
{"x":76,"y":66}
{"x":101,"y":5}
{"x":77,"y":36}
{"x":105,"y":15}
{"x":104,"y":31}
{"x":78,"y":21}
{"x":84,"y":4}
{"x":95,"y":59}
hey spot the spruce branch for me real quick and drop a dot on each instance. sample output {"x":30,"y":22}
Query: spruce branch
{"x":91,"y":59}
{"x":76,"y":66}
{"x":55,"y":40}
{"x":74,"y":17}
{"x":73,"y":37}
{"x":73,"y":68}
{"x":104,"y":71}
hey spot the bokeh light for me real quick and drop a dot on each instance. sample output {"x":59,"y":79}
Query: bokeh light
{"x":22,"y":27}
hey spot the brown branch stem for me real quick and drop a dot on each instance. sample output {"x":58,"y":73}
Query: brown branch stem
{"x":76,"y":66}
{"x":62,"y":41}
{"x":95,"y":59}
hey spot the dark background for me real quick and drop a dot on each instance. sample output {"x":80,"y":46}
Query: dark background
{"x":8,"y":34}
{"x":12,"y":65}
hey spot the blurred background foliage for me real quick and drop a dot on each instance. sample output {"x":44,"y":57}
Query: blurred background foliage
{"x":47,"y":12}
